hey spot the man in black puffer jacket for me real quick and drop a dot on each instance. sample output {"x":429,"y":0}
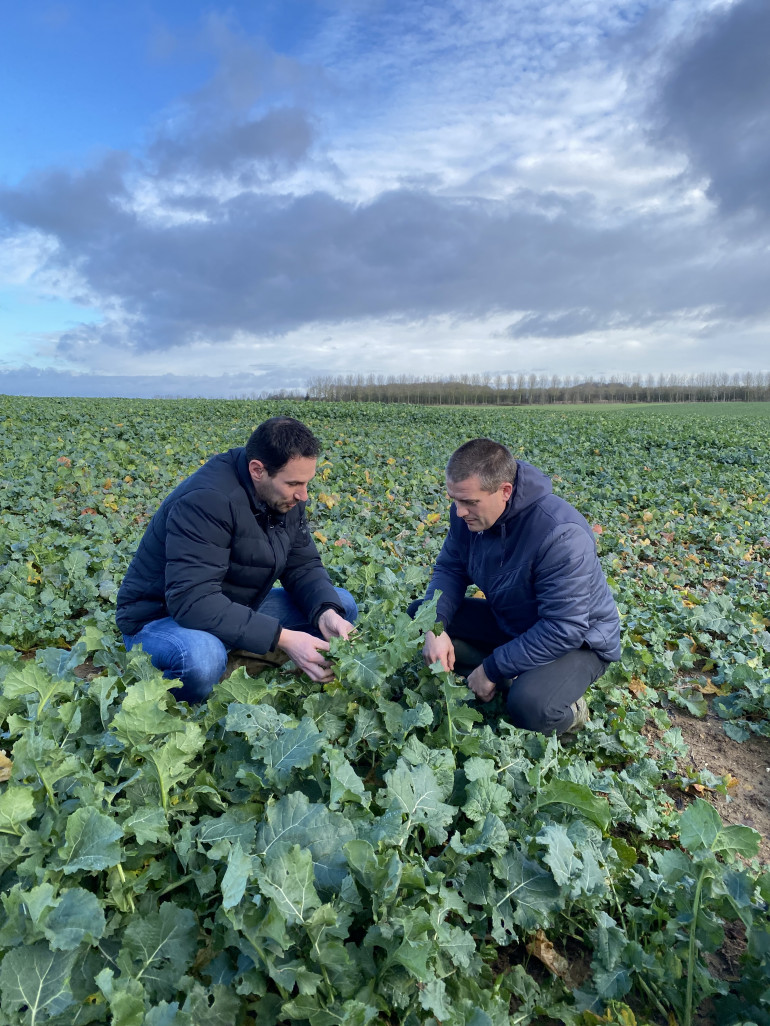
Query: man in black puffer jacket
{"x":201,"y":581}
{"x":548,"y":626}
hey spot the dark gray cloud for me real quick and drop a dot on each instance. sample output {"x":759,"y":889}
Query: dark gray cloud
{"x":266,"y":264}
{"x":715,"y":105}
{"x":262,"y":147}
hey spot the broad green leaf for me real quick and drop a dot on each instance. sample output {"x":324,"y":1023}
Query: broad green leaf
{"x":239,"y":866}
{"x":415,"y":792}
{"x":78,"y":917}
{"x":148,"y":824}
{"x":172,"y":761}
{"x":579,"y":797}
{"x":143,"y":714}
{"x":345,"y":784}
{"x":526,"y":899}
{"x":287,"y":878}
{"x":255,"y":721}
{"x":560,"y":855}
{"x":91,"y":841}
{"x":219,"y":833}
{"x":434,"y":998}
{"x":17,"y":806}
{"x":491,"y":835}
{"x":738,"y":840}
{"x":699,"y":826}
{"x":294,"y":748}
{"x":158,"y":948}
{"x":33,"y":679}
{"x":485,"y":796}
{"x":38,"y":979}
{"x":125,"y":996}
{"x":60,"y":662}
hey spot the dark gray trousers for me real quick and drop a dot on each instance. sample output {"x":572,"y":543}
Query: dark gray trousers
{"x":538,"y":699}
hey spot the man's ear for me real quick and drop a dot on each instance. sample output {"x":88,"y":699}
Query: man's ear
{"x":507,"y":490}
{"x":257,"y":470}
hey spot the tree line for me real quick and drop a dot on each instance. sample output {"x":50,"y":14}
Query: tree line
{"x":533,"y":389}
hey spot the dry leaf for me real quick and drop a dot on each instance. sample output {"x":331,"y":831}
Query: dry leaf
{"x":542,"y":948}
{"x":636,"y":686}
{"x":5,"y":767}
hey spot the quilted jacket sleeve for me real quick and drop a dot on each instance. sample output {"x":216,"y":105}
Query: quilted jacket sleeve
{"x":306,"y":578}
{"x":563,"y":575}
{"x":199,"y":534}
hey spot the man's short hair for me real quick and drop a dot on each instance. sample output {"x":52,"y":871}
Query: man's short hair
{"x":493,"y":463}
{"x":280,"y":439}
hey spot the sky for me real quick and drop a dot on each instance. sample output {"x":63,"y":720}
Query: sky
{"x":230,"y":199}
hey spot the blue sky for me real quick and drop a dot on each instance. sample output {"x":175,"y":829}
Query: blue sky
{"x":213,"y":199}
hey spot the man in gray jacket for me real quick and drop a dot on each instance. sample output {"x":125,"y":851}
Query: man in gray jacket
{"x":548,"y":626}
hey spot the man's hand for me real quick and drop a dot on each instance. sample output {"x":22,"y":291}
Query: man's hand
{"x":332,"y":625}
{"x":307,"y":653}
{"x":481,"y":686}
{"x":439,"y":650}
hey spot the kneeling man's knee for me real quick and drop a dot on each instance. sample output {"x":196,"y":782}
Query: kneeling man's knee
{"x":204,"y":669}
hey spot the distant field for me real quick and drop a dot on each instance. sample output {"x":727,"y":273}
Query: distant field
{"x":378,"y":849}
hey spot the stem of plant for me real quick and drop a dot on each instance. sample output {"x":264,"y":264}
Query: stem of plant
{"x":692,"y":946}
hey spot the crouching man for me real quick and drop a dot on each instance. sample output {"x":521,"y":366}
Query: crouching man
{"x":201,"y":581}
{"x":548,"y":626}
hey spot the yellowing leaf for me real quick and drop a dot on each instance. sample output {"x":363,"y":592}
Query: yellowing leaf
{"x":6,"y":765}
{"x":544,"y":950}
{"x":319,"y":536}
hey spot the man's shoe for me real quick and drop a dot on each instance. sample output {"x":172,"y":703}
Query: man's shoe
{"x":579,"y":716}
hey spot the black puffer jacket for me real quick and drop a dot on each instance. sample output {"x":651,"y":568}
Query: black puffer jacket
{"x":210,"y":555}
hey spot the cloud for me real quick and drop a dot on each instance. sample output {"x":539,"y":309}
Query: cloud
{"x":422,"y":166}
{"x":715,"y":105}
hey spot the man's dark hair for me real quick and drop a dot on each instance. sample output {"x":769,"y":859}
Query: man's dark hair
{"x":493,"y":463}
{"x":280,"y":439}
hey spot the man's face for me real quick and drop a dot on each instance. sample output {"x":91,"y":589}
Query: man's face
{"x":287,"y":486}
{"x":479,"y":509}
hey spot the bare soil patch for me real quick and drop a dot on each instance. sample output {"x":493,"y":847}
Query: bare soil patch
{"x":747,"y":801}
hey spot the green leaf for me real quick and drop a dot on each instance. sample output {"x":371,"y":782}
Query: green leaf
{"x":491,"y":835}
{"x":144,"y":714}
{"x":171,"y":761}
{"x":125,"y":997}
{"x":528,"y":896}
{"x":91,"y":841}
{"x":17,"y":806}
{"x":36,"y":978}
{"x":239,"y":865}
{"x":416,"y":793}
{"x":699,"y":826}
{"x":560,"y":854}
{"x":78,"y":917}
{"x":577,"y":796}
{"x":434,"y":998}
{"x":294,"y":820}
{"x":738,"y":840}
{"x":485,"y":796}
{"x":345,"y":784}
{"x":148,"y":824}
{"x":287,"y":878}
{"x":33,"y":679}
{"x":158,"y":948}
{"x":294,"y":748}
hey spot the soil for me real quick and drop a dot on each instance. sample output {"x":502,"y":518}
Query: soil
{"x":747,"y":801}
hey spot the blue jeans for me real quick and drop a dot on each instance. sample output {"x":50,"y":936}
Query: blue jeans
{"x":199,"y":659}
